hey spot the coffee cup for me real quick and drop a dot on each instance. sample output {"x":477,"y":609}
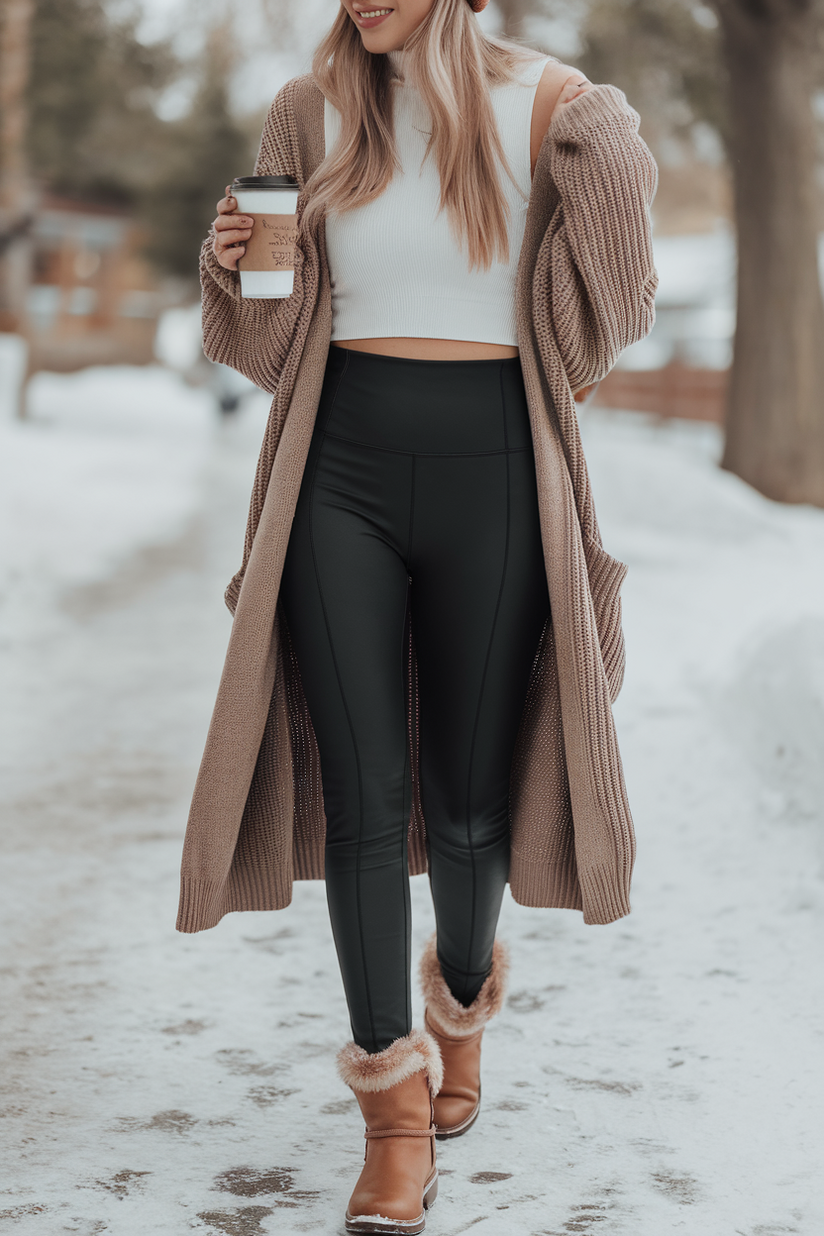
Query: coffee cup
{"x":267,"y":268}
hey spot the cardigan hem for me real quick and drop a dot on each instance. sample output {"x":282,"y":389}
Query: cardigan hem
{"x":606,"y":894}
{"x":550,"y":885}
{"x":203,"y":903}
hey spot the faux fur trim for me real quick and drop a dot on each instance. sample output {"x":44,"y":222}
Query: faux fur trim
{"x":448,"y":1013}
{"x":374,"y":1071}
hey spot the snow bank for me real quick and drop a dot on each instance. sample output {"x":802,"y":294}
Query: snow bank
{"x":12,"y":369}
{"x":108,"y":460}
{"x":716,"y":567}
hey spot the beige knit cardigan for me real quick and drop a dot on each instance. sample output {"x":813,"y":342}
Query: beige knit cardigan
{"x":585,"y":291}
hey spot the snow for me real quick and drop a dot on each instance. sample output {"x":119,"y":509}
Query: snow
{"x":13,"y":355}
{"x":662,"y":1074}
{"x":108,"y":460}
{"x":695,"y":301}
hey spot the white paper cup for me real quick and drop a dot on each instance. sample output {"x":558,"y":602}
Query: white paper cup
{"x":267,"y":268}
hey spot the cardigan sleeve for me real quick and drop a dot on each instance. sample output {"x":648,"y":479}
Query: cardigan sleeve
{"x":602,"y":276}
{"x":253,"y":336}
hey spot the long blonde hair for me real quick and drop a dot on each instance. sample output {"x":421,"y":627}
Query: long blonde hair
{"x":453,"y":64}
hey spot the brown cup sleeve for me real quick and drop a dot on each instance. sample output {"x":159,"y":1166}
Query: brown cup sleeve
{"x":272,"y":243}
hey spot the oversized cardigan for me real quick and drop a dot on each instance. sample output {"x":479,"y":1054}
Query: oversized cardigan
{"x":585,"y":291}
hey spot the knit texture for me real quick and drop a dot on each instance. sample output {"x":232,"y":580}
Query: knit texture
{"x":448,"y":1014}
{"x":585,"y":291}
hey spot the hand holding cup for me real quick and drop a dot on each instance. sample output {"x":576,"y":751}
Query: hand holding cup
{"x":255,"y":234}
{"x":231,"y":231}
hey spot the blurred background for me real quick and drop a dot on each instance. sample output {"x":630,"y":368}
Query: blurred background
{"x":154,"y":1082}
{"x":122,"y":120}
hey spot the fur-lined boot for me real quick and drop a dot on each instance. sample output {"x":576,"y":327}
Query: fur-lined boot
{"x":395,"y":1090}
{"x":458,"y":1030}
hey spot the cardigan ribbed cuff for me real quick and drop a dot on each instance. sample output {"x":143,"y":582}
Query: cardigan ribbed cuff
{"x":232,"y":594}
{"x":203,"y":903}
{"x":600,"y":892}
{"x":588,"y":115}
{"x":227,"y":280}
{"x":605,"y":894}
{"x":606,"y":573}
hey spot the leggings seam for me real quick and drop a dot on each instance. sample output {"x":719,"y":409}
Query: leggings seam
{"x":411,"y":518}
{"x":405,"y":845}
{"x":407,"y":755}
{"x":470,"y":844}
{"x":348,"y":718}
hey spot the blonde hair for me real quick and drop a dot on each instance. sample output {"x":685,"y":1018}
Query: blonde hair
{"x":453,"y":64}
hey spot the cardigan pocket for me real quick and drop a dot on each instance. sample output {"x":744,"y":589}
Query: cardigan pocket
{"x":606,"y":576}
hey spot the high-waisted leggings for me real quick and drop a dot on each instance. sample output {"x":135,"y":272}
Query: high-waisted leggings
{"x":418,"y":501}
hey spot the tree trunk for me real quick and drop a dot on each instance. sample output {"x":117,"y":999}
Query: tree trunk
{"x":775,"y":412}
{"x":15,"y":194}
{"x":16,"y":198}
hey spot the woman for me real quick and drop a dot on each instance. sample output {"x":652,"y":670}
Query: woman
{"x":427,"y":639}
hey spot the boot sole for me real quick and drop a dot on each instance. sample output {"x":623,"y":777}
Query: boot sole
{"x":377,"y":1225}
{"x":457,"y":1130}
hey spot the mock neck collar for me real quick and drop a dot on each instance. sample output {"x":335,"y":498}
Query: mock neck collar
{"x":399,"y":61}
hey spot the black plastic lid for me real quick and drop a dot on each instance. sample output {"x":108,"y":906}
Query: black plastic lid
{"x":264,"y":182}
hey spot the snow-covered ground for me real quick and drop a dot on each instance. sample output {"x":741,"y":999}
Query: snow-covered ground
{"x":663,"y":1074}
{"x":110,"y":459}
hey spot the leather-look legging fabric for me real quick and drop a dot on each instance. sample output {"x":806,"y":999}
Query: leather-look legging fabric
{"x":419,"y":497}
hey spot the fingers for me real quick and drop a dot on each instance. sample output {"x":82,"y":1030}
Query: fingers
{"x":228,"y":203}
{"x":228,"y":255}
{"x":229,"y":258}
{"x":230,"y":231}
{"x":229,"y":246}
{"x":573,"y":87}
{"x":584,"y":393}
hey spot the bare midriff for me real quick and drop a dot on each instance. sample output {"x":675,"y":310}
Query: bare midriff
{"x":430,"y":349}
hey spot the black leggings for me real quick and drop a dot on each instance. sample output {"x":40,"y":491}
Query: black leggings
{"x":419,"y":494}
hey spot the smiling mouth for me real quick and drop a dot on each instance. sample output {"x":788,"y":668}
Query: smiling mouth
{"x":372,"y":14}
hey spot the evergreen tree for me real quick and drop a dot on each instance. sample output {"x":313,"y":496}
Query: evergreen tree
{"x":95,"y":131}
{"x":92,"y":92}
{"x":666,"y":55}
{"x":199,"y":156}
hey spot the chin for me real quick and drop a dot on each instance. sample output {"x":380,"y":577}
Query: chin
{"x":375,"y":44}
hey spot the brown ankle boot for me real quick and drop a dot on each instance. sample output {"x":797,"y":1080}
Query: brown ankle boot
{"x":395,"y":1089}
{"x":458,"y":1030}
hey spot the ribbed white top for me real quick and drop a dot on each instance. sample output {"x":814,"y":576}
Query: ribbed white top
{"x":395,"y":265}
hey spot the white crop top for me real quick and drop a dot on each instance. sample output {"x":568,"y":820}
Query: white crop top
{"x":396,"y":268}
